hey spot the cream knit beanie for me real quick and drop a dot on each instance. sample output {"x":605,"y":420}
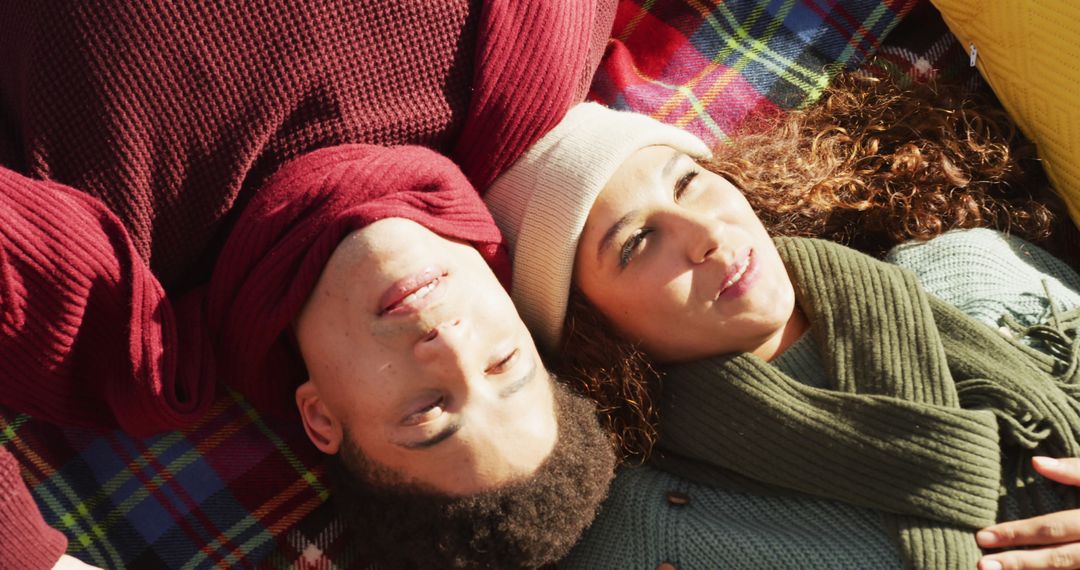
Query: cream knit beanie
{"x":542,"y":201}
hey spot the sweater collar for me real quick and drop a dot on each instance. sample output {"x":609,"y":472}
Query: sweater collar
{"x":911,"y":424}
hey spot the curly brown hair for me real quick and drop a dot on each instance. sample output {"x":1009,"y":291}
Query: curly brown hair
{"x":527,"y":524}
{"x":873,"y":165}
{"x":870,"y":165}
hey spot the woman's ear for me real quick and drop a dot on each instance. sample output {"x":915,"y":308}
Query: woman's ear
{"x":322,"y":426}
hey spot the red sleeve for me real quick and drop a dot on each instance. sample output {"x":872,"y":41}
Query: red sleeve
{"x":25,"y":540}
{"x":534,"y":61}
{"x":87,"y":336}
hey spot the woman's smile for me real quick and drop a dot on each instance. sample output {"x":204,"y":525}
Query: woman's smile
{"x":740,"y":277}
{"x":700,"y":276}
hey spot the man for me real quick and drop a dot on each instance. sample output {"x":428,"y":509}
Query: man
{"x":366,"y":271}
{"x":148,"y":136}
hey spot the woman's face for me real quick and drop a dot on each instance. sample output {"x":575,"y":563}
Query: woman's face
{"x":676,"y":259}
{"x":415,"y":351}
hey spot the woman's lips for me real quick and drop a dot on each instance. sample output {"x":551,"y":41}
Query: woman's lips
{"x":412,"y":293}
{"x":740,"y":276}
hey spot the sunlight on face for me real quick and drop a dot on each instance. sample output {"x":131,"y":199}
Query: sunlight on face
{"x":676,"y":259}
{"x":414,"y":348}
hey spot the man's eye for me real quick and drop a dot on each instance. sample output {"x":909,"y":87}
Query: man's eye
{"x":425,"y":413}
{"x":503,"y":364}
{"x":684,"y":182}
{"x":632,"y":245}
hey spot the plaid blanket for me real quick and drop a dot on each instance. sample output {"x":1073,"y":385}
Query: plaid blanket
{"x":706,"y":67}
{"x":238,"y":491}
{"x":222,"y":493}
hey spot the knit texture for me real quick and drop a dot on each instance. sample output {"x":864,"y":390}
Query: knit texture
{"x":285,"y":236}
{"x":535,"y":62}
{"x":86,"y":336}
{"x":729,"y":521}
{"x":893,"y":432}
{"x":802,"y":361}
{"x":173,"y":113}
{"x":721,"y":527}
{"x":26,"y":543}
{"x":154,"y":125}
{"x":168,"y":119}
{"x":964,"y":268}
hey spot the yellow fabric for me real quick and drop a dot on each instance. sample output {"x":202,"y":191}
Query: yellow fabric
{"x":1029,"y":52}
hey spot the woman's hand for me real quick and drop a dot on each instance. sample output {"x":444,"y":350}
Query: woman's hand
{"x":1057,"y":533}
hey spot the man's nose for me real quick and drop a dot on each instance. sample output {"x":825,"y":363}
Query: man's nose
{"x":446,"y":348}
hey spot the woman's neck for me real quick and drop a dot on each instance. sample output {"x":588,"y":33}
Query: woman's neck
{"x":796,"y":325}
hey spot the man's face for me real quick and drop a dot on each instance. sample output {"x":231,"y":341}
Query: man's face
{"x":415,"y":350}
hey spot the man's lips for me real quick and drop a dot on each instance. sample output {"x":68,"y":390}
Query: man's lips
{"x":413,"y":292}
{"x":737,"y":272}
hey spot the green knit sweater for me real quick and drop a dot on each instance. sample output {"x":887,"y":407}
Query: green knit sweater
{"x":724,"y":520}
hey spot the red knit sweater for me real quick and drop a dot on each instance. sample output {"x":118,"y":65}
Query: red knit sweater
{"x":169,"y":117}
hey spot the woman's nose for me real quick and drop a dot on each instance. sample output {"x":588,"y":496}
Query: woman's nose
{"x":700,"y":235}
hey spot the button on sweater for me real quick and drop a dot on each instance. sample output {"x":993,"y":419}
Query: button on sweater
{"x":730,"y":524}
{"x":135,"y":133}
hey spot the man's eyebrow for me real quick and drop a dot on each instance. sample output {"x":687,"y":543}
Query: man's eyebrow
{"x":520,"y":382}
{"x":453,"y":428}
{"x":609,"y":236}
{"x":433,"y":440}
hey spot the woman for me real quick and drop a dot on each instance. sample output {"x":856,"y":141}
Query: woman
{"x":626,"y":222}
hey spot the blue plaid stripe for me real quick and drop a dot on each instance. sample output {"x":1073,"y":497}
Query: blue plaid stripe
{"x":234,"y":490}
{"x":737,"y":58}
{"x":179,"y":500}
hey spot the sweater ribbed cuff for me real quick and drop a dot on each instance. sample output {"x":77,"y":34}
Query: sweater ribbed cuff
{"x":26,"y":542}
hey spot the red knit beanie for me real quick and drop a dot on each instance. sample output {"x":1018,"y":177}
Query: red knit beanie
{"x":279,"y":246}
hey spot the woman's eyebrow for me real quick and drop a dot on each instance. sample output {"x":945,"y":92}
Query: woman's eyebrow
{"x":609,"y":236}
{"x":675,"y":157}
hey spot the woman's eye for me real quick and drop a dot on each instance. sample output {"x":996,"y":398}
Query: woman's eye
{"x":503,"y":364}
{"x":426,"y":413}
{"x":684,"y":182}
{"x":632,"y":245}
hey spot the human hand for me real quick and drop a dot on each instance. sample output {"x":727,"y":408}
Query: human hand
{"x":71,"y":563}
{"x":1058,"y":533}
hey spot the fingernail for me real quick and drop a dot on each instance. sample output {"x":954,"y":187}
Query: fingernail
{"x":986,"y":538}
{"x":1042,"y":461}
{"x":988,"y":564}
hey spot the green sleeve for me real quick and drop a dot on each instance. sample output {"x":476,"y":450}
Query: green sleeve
{"x":988,"y":275}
